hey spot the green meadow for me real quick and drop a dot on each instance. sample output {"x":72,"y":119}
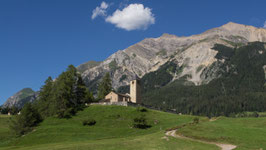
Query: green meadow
{"x":246,"y":133}
{"x":113,"y":131}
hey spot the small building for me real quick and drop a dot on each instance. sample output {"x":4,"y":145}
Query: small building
{"x":133,"y":97}
{"x":117,"y":97}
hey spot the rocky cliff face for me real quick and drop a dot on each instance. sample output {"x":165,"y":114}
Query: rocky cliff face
{"x":21,"y":98}
{"x":194,"y":54}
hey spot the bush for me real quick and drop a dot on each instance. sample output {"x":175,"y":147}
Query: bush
{"x":88,"y":122}
{"x":141,"y":109}
{"x":242,"y":115}
{"x":140,"y":122}
{"x":255,"y":114}
{"x":25,"y":122}
{"x":196,"y":120}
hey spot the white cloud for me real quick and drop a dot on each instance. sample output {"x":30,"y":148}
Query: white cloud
{"x":132,"y":17}
{"x":100,"y":11}
{"x":264,"y":25}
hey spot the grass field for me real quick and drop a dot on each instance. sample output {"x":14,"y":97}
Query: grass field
{"x":246,"y":133}
{"x":4,"y":131}
{"x":113,"y":130}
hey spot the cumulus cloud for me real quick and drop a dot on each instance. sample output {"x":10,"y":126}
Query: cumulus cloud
{"x":100,"y":10}
{"x":132,"y":17}
{"x":264,"y":25}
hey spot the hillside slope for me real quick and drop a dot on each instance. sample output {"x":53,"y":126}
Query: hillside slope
{"x":113,"y":130}
{"x":246,"y":133}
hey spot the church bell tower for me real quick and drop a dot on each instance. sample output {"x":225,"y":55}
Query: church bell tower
{"x":135,"y":91}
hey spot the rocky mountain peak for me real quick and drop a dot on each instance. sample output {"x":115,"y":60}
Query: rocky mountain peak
{"x":166,"y":35}
{"x":194,"y":53}
{"x":19,"y":98}
{"x":231,"y":24}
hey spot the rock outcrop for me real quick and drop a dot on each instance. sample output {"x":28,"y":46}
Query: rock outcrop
{"x":194,"y":53}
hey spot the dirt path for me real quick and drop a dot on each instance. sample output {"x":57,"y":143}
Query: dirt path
{"x":222,"y":146}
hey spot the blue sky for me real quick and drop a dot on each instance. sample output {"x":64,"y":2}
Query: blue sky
{"x":40,"y":38}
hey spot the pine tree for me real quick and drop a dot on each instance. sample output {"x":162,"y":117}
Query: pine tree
{"x":105,"y":86}
{"x":89,"y":96}
{"x":63,"y":96}
{"x":45,"y":101}
{"x":70,"y":93}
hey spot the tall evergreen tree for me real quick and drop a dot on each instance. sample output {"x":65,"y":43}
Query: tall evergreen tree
{"x":70,"y":92}
{"x":45,"y":102}
{"x":89,"y":96}
{"x":63,"y":97}
{"x":105,"y":86}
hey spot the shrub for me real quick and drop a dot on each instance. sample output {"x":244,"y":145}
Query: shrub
{"x":88,"y":122}
{"x":242,"y":114}
{"x":255,"y":114}
{"x":141,"y":109}
{"x":196,"y":120}
{"x":140,"y":122}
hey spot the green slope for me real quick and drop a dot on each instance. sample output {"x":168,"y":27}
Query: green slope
{"x":246,"y":133}
{"x":112,"y":131}
{"x":4,"y":131}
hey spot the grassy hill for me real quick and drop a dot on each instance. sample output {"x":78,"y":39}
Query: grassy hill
{"x":246,"y":133}
{"x":4,"y":131}
{"x":113,"y":131}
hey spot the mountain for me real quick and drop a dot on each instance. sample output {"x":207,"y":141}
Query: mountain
{"x":88,"y":65}
{"x":20,"y":98}
{"x":192,"y":60}
{"x":194,"y":56}
{"x":239,"y":86}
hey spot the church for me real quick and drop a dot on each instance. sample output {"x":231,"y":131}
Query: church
{"x":133,"y":97}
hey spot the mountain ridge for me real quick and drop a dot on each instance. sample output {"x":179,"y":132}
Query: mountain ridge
{"x":149,"y":54}
{"x":193,"y":56}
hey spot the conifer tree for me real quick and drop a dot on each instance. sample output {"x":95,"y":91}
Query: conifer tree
{"x":45,"y":102}
{"x":89,"y":96}
{"x":64,"y":96}
{"x":105,"y":86}
{"x":70,"y":93}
